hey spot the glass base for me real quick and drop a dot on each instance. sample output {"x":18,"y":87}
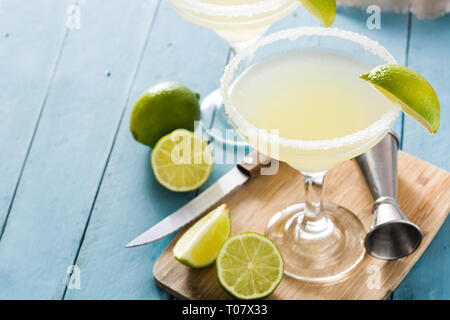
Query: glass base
{"x":215,"y":121}
{"x":324,"y":250}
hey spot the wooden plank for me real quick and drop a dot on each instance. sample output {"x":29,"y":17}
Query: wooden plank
{"x":29,"y":51}
{"x":392,"y":35}
{"x":130,"y":199}
{"x":71,"y":146}
{"x":254,"y":203}
{"x":428,"y":54}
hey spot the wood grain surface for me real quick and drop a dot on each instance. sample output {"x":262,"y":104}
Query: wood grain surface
{"x":424,"y":196}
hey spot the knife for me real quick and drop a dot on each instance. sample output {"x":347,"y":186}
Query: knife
{"x":244,"y":170}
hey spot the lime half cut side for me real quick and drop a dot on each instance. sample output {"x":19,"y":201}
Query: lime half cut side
{"x":181,"y":161}
{"x":408,"y":89}
{"x":199,"y":245}
{"x":249,"y":266}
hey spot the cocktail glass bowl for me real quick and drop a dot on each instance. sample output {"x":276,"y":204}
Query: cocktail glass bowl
{"x":319,"y":241}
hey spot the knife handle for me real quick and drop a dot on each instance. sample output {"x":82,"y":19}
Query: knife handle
{"x":251,"y":163}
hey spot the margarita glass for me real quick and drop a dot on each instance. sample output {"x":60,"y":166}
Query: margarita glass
{"x":296,"y":96}
{"x":240,"y":23}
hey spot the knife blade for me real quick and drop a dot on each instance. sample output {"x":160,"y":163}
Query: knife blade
{"x":237,"y":176}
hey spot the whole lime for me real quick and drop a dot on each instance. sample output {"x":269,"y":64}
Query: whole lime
{"x":163,"y":108}
{"x":410,"y":90}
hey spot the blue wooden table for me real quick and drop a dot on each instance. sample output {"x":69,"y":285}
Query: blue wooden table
{"x":74,"y":185}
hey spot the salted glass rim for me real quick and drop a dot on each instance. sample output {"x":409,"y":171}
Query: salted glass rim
{"x":232,"y":10}
{"x":372,"y":131}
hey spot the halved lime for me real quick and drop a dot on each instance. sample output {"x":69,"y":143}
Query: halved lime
{"x":182,"y":161}
{"x":324,"y":10}
{"x":249,"y":266}
{"x":199,"y":245}
{"x":407,"y":88}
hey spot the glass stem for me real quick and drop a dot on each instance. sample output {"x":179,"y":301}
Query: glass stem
{"x":313,"y":222}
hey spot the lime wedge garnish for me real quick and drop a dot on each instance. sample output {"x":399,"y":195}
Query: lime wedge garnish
{"x":199,"y":245}
{"x":181,"y":161}
{"x":407,"y":88}
{"x":324,"y":10}
{"x":249,"y":266}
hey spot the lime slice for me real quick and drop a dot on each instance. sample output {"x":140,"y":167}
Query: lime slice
{"x":412,"y":92}
{"x":181,"y":161}
{"x":324,"y":10}
{"x":198,"y":247}
{"x":161,"y":109}
{"x":249,"y":266}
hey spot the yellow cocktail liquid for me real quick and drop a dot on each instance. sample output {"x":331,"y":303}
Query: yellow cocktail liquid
{"x":311,"y":95}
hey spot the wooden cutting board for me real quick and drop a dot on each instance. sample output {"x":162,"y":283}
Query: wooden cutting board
{"x":424,"y":195}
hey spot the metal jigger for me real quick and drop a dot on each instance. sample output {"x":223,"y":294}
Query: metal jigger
{"x":392,"y":236}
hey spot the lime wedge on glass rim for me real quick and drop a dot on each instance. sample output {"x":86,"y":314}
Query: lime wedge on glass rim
{"x":324,"y":10}
{"x":181,"y":161}
{"x":199,"y":245}
{"x":411,"y":91}
{"x":249,"y":266}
